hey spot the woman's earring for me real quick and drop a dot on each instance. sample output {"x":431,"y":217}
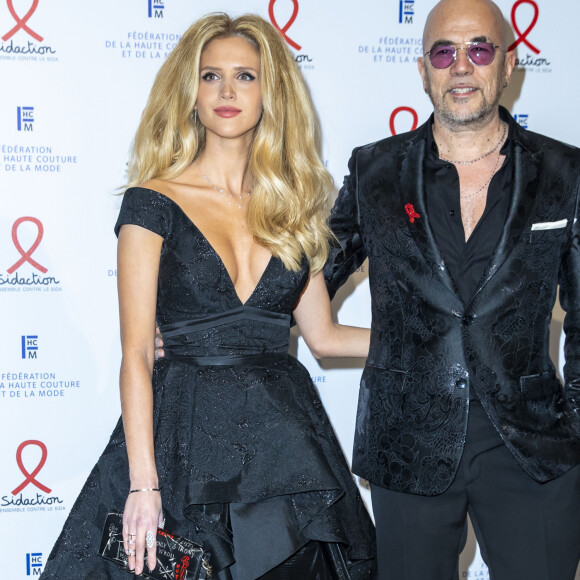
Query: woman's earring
{"x":195,"y":116}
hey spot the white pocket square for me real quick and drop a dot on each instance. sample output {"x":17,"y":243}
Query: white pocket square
{"x":549,"y":225}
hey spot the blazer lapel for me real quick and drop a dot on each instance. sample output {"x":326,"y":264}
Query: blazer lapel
{"x":526,"y":171}
{"x":412,"y":197}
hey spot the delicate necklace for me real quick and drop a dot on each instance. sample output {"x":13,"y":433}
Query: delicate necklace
{"x":481,"y":156}
{"x":473,"y":194}
{"x":223,"y":192}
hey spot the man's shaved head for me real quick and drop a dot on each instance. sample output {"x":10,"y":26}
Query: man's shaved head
{"x":447,"y":11}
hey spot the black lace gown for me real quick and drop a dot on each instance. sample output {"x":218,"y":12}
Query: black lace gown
{"x":247,"y":460}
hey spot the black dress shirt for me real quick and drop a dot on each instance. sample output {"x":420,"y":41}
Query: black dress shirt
{"x":466,"y":261}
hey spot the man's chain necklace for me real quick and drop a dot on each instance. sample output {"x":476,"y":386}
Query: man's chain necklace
{"x":481,"y":156}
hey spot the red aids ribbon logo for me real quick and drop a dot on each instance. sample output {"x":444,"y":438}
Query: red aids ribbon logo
{"x":27,"y":255}
{"x":410,"y":210}
{"x":30,"y":477}
{"x":21,"y":22}
{"x":522,"y":36}
{"x":287,"y":25}
{"x":400,"y":110}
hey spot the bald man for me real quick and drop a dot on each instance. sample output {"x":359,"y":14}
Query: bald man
{"x":469,"y":224}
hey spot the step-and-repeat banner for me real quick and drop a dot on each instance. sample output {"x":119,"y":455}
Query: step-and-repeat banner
{"x":75,"y":79}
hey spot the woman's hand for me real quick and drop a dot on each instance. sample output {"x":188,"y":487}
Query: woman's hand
{"x":141,"y":518}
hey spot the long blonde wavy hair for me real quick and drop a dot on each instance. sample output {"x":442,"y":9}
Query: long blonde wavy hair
{"x":287,"y":208}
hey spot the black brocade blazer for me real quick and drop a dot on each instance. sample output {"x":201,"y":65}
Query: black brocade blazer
{"x":428,"y":348}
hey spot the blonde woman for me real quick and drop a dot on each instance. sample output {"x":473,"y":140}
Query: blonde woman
{"x":222,"y":238}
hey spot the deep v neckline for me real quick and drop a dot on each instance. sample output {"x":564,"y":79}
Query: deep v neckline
{"x":217,"y":256}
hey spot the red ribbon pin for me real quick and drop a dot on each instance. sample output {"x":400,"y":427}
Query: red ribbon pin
{"x":411,"y":212}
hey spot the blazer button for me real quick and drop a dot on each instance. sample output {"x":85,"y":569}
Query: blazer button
{"x":468,"y":319}
{"x":461,"y":384}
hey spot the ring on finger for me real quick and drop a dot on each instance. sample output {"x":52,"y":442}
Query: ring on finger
{"x":149,"y":539}
{"x":130,"y":552}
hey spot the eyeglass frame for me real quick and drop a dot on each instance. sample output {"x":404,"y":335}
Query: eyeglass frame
{"x":463,"y":46}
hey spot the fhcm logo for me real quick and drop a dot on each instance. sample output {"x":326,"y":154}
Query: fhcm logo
{"x":25,"y":118}
{"x":155,"y":8}
{"x":34,"y":564}
{"x":406,"y":11}
{"x":29,"y":345}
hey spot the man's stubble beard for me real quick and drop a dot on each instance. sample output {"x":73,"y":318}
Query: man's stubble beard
{"x":485,"y":111}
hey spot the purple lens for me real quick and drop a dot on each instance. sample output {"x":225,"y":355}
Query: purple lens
{"x":442,"y":56}
{"x":481,"y":53}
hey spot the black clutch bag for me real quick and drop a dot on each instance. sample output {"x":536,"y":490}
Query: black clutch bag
{"x":177,"y":558}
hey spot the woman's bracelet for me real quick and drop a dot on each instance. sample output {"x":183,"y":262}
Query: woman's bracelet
{"x":146,"y":489}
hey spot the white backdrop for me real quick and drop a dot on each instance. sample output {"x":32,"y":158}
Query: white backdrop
{"x":75,"y":78}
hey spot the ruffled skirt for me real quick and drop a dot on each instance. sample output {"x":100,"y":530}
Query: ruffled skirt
{"x":249,"y":467}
